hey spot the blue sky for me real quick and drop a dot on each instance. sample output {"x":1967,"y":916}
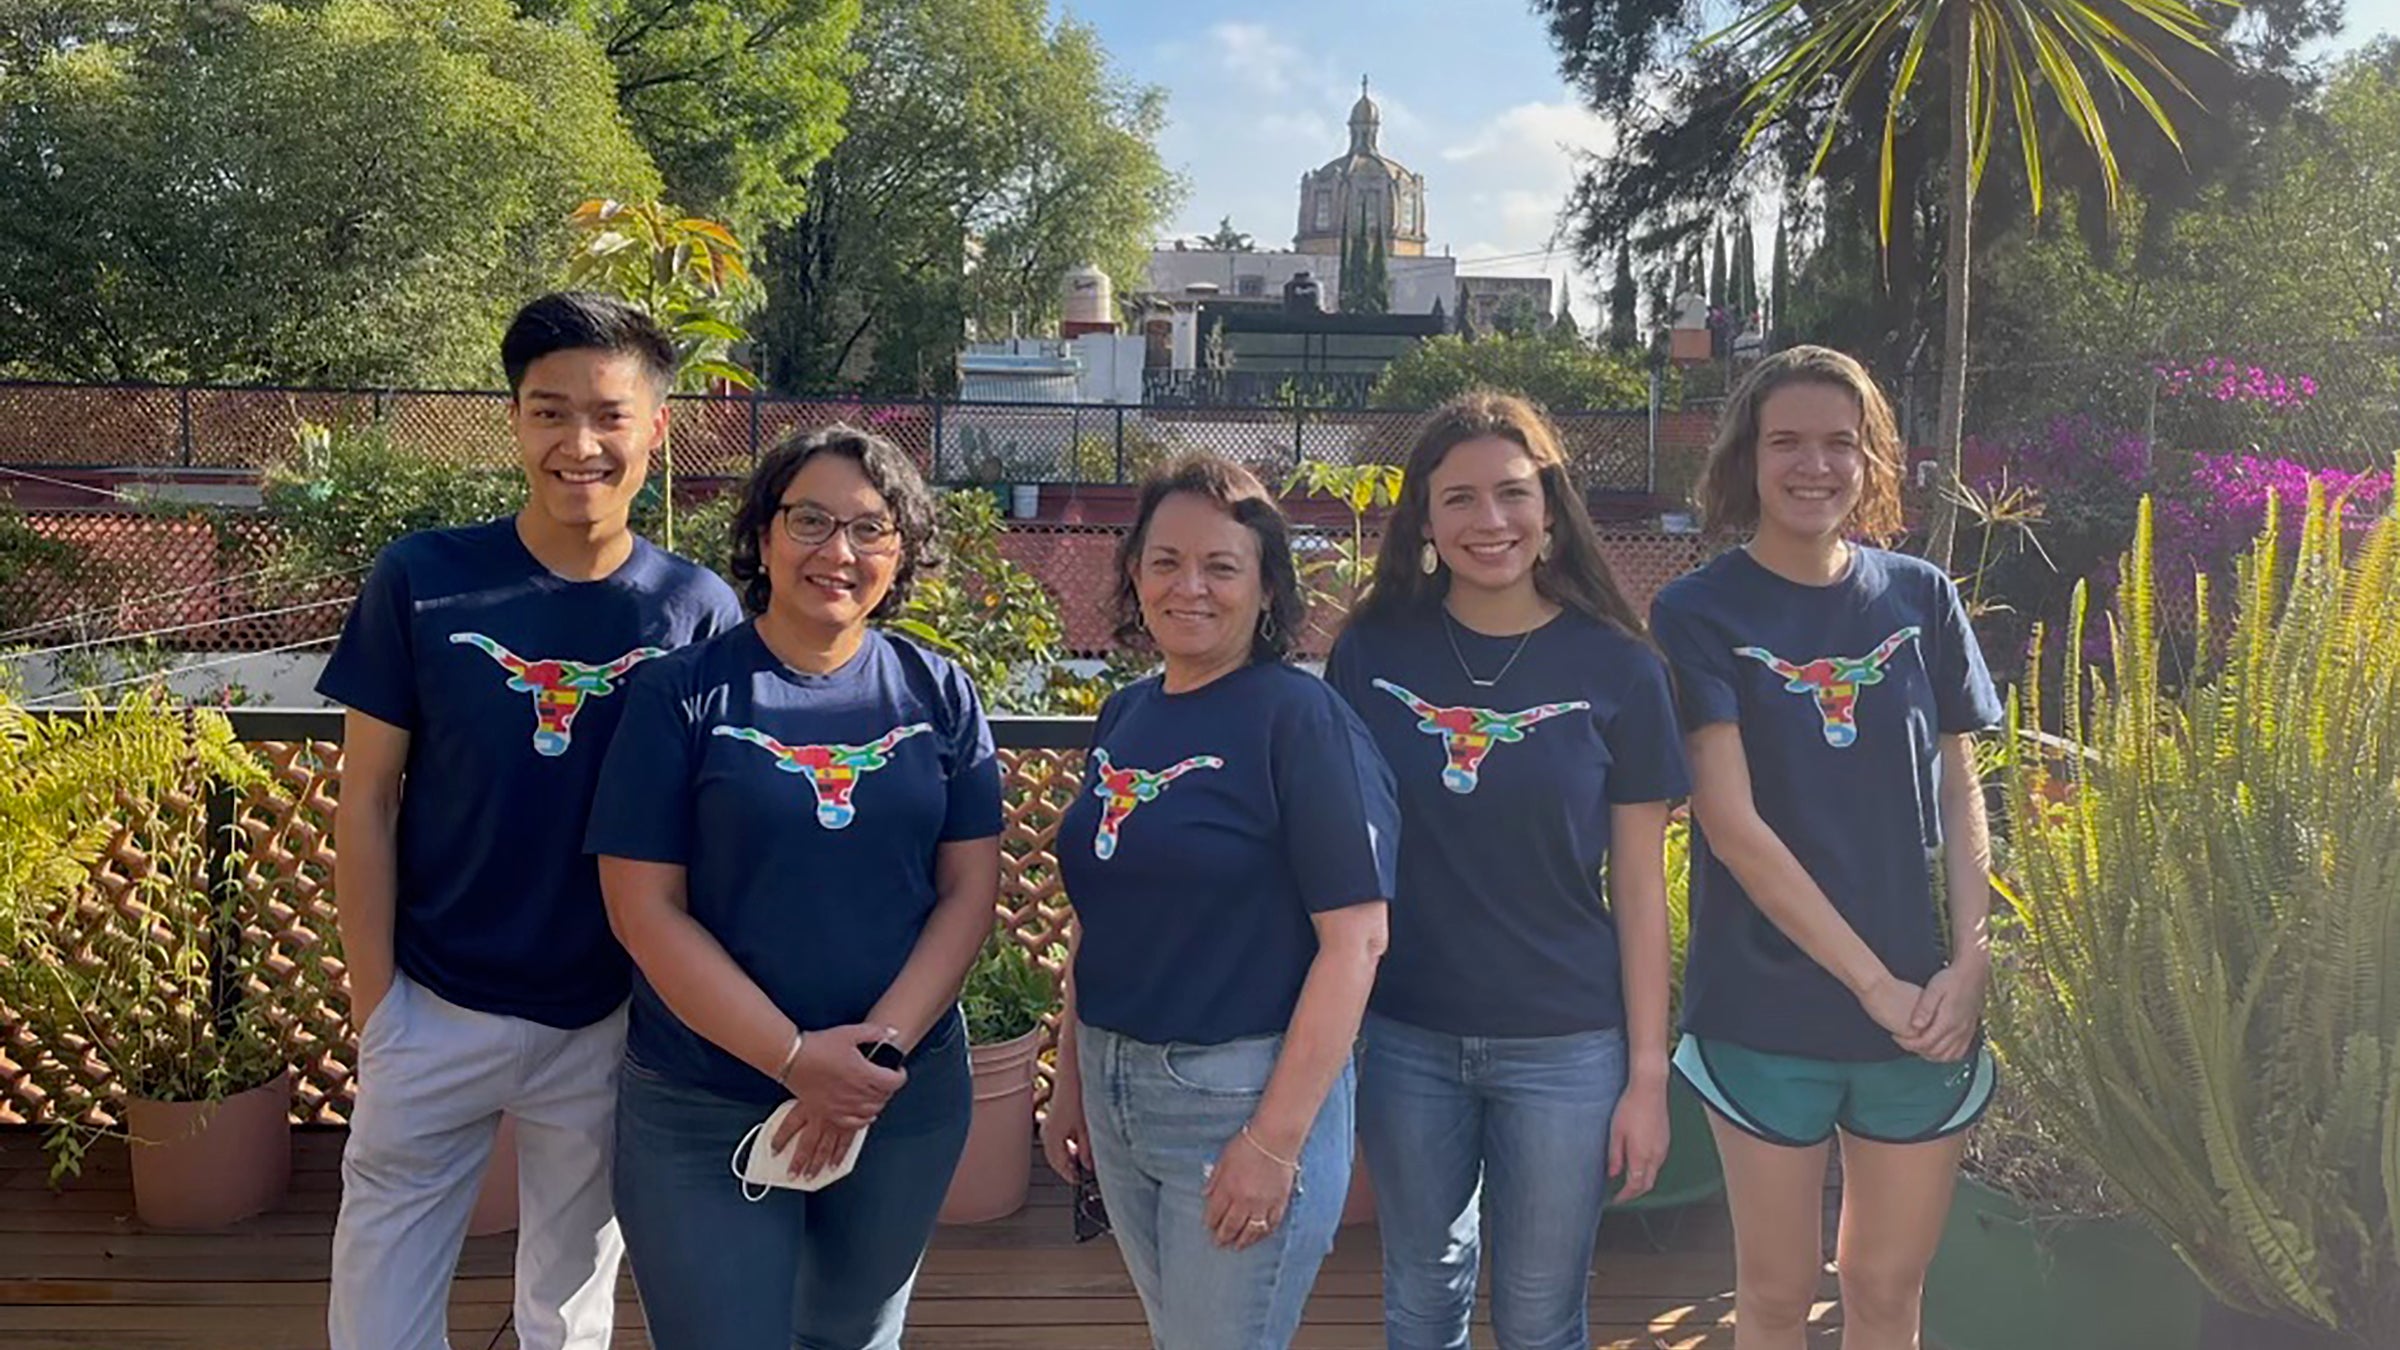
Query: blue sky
{"x":1257,"y":93}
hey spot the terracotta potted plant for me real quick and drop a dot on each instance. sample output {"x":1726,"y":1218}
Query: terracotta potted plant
{"x":1006,"y":996}
{"x":124,"y":940}
{"x":2210,"y":929}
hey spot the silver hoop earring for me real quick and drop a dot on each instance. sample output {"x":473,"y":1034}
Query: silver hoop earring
{"x":1266,"y":624}
{"x":1429,"y":559}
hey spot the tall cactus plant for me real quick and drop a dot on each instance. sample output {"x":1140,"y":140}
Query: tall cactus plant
{"x":2207,"y":894}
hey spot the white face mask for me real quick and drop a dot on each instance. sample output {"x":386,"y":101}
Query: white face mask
{"x":761,"y":1168}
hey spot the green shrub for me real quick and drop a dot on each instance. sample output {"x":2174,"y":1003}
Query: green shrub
{"x":351,"y":490}
{"x":2205,"y":1005}
{"x":1007,"y":992}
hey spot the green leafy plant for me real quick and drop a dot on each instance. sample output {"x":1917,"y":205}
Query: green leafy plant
{"x":1007,"y":991}
{"x":1679,"y":910}
{"x":118,"y":940}
{"x":350,"y":489}
{"x":994,"y":618}
{"x":2206,"y":888}
{"x":1337,"y":580}
{"x":685,"y":272}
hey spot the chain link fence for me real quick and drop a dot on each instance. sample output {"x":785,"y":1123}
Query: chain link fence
{"x":72,"y":426}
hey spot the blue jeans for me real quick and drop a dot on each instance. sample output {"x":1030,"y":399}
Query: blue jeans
{"x":1159,"y":1116}
{"x":825,"y":1271}
{"x":1522,"y":1124}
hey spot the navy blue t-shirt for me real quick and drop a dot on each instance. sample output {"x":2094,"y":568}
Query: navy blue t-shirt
{"x":1842,"y":693}
{"x":1210,"y":826}
{"x":1499,"y":927}
{"x":509,"y":680}
{"x":807,"y":811}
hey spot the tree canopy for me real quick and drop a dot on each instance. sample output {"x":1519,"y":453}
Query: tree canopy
{"x":351,"y":192}
{"x":987,"y":150}
{"x":1682,"y":163}
{"x":1558,"y":372}
{"x":736,"y":100}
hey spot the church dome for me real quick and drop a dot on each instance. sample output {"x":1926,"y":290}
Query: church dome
{"x":1362,"y":183}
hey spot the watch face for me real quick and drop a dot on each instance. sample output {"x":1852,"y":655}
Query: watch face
{"x":884,"y":1054}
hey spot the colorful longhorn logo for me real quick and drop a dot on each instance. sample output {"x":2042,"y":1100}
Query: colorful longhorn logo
{"x":1124,"y":789}
{"x":832,"y":771}
{"x":1833,"y":681}
{"x":558,"y":687}
{"x":1468,"y":734}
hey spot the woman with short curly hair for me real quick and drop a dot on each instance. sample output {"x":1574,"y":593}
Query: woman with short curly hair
{"x":798,"y":828}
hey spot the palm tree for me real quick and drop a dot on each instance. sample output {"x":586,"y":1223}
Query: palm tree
{"x":2067,"y":54}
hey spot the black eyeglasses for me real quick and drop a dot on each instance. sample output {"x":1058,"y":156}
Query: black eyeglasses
{"x":1091,"y":1216}
{"x":809,"y":526}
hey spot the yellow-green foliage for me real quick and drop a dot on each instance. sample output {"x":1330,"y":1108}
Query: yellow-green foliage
{"x":2208,"y":891}
{"x":149,"y":980}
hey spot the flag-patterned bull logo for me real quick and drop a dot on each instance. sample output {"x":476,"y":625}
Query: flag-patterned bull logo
{"x":559,"y":688}
{"x":1468,"y":734}
{"x":832,"y":771}
{"x":1121,"y":790}
{"x":1834,"y":681}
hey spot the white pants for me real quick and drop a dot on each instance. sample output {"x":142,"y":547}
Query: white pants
{"x":433,"y":1081}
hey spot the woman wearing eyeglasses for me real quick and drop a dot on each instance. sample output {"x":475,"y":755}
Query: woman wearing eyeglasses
{"x":798,"y":829}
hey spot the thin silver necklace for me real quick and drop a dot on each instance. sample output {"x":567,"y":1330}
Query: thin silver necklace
{"x":1450,"y":630}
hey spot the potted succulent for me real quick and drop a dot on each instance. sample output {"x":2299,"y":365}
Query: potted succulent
{"x":1007,"y":993}
{"x":2211,"y":925}
{"x":126,"y":939}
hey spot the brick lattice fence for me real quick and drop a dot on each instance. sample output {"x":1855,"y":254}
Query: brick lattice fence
{"x":285,"y":910}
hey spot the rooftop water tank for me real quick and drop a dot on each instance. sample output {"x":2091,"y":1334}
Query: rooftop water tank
{"x":1085,"y":297}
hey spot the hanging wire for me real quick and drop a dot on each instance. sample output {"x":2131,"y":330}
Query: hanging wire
{"x":171,"y":629}
{"x":78,"y":694}
{"x":69,"y":484}
{"x":134,"y":602}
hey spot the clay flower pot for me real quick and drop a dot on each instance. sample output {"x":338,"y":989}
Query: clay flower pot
{"x":203,"y":1165}
{"x":997,"y":1167}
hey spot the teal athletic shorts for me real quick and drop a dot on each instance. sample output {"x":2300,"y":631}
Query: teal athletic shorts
{"x":1797,"y":1102}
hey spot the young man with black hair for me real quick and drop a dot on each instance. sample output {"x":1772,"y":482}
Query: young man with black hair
{"x":480,"y":668}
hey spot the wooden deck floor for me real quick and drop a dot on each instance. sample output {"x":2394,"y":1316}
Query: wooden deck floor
{"x":77,"y":1270}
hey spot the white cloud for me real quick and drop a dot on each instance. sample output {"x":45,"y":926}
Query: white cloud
{"x":1253,"y":54}
{"x":1500,"y":184}
{"x":1534,"y":135}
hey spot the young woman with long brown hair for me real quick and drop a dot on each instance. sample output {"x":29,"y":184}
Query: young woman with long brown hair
{"x":1516,"y":1045}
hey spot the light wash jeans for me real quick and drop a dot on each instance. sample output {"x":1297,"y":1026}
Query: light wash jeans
{"x":1520,"y":1123}
{"x":1159,"y":1117}
{"x":823,"y":1270}
{"x":433,"y":1079}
